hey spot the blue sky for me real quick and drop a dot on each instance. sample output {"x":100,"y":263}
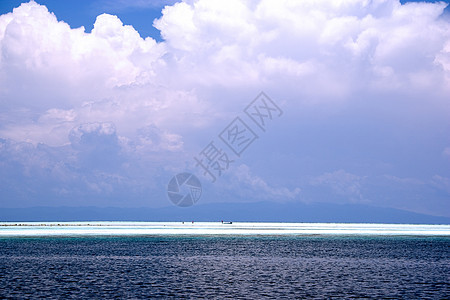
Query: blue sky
{"x":139,"y":14}
{"x":105,"y":116}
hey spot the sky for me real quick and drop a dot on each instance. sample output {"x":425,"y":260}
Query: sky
{"x":103,"y":102}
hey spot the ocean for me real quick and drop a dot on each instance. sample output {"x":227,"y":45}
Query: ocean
{"x":224,"y":261}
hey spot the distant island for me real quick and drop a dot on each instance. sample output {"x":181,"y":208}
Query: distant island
{"x":231,"y":212}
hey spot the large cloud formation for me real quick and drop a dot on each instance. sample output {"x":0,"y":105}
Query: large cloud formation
{"x":110,"y":115}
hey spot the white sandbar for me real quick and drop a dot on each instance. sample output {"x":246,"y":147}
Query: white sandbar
{"x":11,"y":229}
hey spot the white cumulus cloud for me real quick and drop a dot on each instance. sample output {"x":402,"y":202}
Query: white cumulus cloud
{"x":67,"y":96}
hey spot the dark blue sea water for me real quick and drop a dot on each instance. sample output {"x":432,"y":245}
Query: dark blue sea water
{"x":225,"y":267}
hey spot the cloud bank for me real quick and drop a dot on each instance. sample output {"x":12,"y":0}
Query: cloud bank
{"x":106,"y":117}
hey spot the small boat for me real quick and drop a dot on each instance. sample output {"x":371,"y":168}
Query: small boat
{"x":227,"y":222}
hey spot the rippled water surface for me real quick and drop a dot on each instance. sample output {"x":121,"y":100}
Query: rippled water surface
{"x":225,"y":267}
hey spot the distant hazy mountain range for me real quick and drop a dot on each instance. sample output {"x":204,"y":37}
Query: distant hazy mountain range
{"x":251,"y":212}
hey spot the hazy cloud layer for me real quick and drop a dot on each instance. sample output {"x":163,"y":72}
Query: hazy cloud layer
{"x":107,"y":117}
